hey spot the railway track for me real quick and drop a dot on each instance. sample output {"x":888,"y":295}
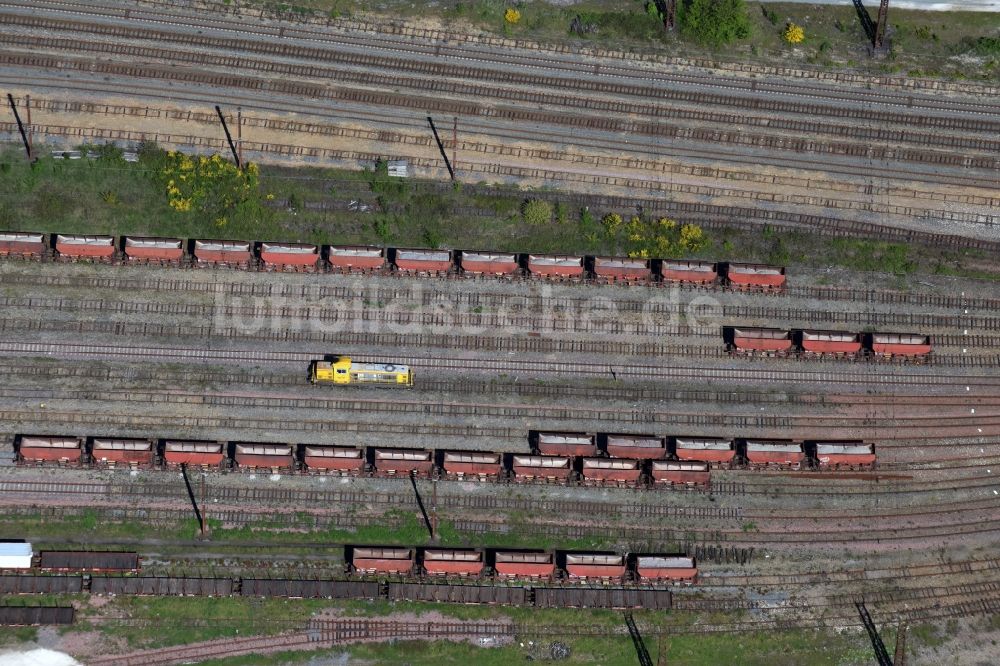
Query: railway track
{"x":674,"y":133}
{"x":878,"y":373}
{"x":521,"y":313}
{"x":504,"y":75}
{"x":909,"y":425}
{"x":385,"y":287}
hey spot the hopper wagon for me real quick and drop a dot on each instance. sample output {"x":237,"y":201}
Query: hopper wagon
{"x":763,"y":340}
{"x":452,"y":562}
{"x":472,"y":464}
{"x":113,"y":452}
{"x":621,"y":269}
{"x":697,"y":272}
{"x":603,"y":566}
{"x":829,"y":342}
{"x":289,"y":256}
{"x":223,"y":252}
{"x":403,"y":462}
{"x":153,"y":250}
{"x":901,"y":344}
{"x":101,"y":248}
{"x":49,"y":449}
{"x":193,"y":453}
{"x":22,"y":243}
{"x":755,"y":276}
{"x":680,"y":473}
{"x":636,"y":447}
{"x":524,"y":564}
{"x":652,"y":568}
{"x":488,"y":263}
{"x":849,"y":454}
{"x":88,"y":560}
{"x":555,"y":266}
{"x":423,"y":262}
{"x":547,"y":468}
{"x":566,"y":444}
{"x":712,"y":450}
{"x":341,"y":459}
{"x":775,"y":452}
{"x":619,"y":471}
{"x":355,"y":258}
{"x":376,"y":560}
{"x":264,"y":456}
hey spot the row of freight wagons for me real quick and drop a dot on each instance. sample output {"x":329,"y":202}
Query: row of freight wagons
{"x":558,"y":456}
{"x":284,"y":256}
{"x":369,"y":560}
{"x":19,"y":555}
{"x":748,"y":339}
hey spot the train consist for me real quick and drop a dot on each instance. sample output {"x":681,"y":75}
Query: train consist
{"x":405,"y":261}
{"x":783,"y":342}
{"x":512,"y":565}
{"x":602,"y":460}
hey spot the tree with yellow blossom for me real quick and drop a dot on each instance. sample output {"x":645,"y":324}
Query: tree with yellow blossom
{"x":794,"y":34}
{"x":511,"y":16}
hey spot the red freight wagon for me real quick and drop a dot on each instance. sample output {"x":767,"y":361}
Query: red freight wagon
{"x":658,"y":567}
{"x":610,"y":470}
{"x":443,"y":562}
{"x":99,"y":247}
{"x":756,"y":275}
{"x":488,"y":263}
{"x":394,"y":462}
{"x":423,"y":261}
{"x":704,"y":449}
{"x":50,"y":449}
{"x":127,"y":451}
{"x":196,"y":453}
{"x":781,"y":452}
{"x":13,"y":242}
{"x":905,"y":344}
{"x":555,"y":265}
{"x":552,"y":468}
{"x":153,"y":249}
{"x":382,"y":560}
{"x":595,"y":565}
{"x":472,"y":463}
{"x":681,"y":473}
{"x":831,"y":342}
{"x":700,"y":272}
{"x":336,"y":458}
{"x":566,"y":444}
{"x":222,"y":252}
{"x":761,"y":339}
{"x":295,"y":255}
{"x":519,"y":564}
{"x":264,"y":456}
{"x":637,"y":447}
{"x":621,"y":269}
{"x":845,"y":454}
{"x":355,"y":257}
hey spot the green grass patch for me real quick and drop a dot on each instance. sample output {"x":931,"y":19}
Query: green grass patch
{"x":17,"y":635}
{"x":873,"y":256}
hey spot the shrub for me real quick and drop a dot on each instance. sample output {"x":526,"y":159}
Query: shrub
{"x":536,"y":212}
{"x":793,"y":34}
{"x":713,"y":22}
{"x":511,"y":16}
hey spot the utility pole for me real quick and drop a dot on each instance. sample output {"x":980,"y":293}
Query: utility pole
{"x":880,"y":25}
{"x":229,"y":138}
{"x":203,"y":504}
{"x":239,"y":133}
{"x":20,"y":125}
{"x":454,"y":147}
{"x":881,"y":654}
{"x":899,"y":658}
{"x":27,"y":108}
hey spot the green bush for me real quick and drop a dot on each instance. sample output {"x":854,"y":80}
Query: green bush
{"x":713,"y":22}
{"x":536,"y":212}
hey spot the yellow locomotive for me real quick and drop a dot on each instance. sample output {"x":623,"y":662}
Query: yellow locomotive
{"x":343,"y":371}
